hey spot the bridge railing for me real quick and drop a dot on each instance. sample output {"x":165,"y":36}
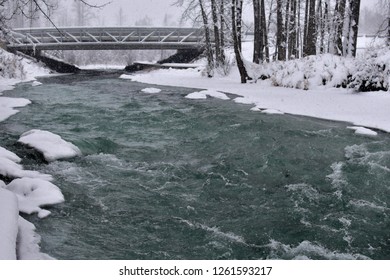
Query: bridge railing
{"x":105,"y":38}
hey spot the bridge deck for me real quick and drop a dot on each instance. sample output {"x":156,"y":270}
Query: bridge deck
{"x":105,"y":38}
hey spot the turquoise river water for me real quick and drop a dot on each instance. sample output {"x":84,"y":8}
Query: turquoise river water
{"x":165,"y":177}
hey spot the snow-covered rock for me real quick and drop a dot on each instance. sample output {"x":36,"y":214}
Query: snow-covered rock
{"x":4,"y":153}
{"x":11,"y":169}
{"x":204,"y":93}
{"x":151,"y":90}
{"x":196,"y":95}
{"x":272,"y":112}
{"x":34,"y":193}
{"x":125,"y":77}
{"x":51,"y":145}
{"x":9,"y":214}
{"x":363,"y":131}
{"x":36,"y":83}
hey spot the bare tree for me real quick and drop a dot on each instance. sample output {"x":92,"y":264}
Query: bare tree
{"x":209,"y":50}
{"x":280,"y":31}
{"x":236,"y":33}
{"x":310,"y":37}
{"x":32,"y":10}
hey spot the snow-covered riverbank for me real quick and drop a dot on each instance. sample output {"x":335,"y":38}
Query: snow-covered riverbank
{"x":369,"y":109}
{"x":30,"y":189}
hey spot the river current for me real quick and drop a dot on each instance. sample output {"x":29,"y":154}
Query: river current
{"x":165,"y":177}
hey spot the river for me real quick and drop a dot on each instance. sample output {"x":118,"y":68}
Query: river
{"x":165,"y":177}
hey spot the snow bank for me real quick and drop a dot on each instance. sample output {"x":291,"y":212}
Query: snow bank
{"x":369,"y":109}
{"x":28,"y":242}
{"x":8,"y":104}
{"x":16,"y":69}
{"x":204,"y":93}
{"x":151,"y":90}
{"x":34,"y":193}
{"x":52,"y":146}
{"x":9,"y":214}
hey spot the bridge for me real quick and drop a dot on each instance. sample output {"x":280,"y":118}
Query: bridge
{"x":105,"y":38}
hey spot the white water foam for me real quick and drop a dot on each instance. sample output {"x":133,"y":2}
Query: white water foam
{"x":304,"y":189}
{"x":230,"y":236}
{"x":337,"y":178}
{"x":308,"y":250}
{"x":367,"y":204}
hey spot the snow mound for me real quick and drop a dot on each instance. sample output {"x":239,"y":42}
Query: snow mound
{"x":204,"y":93}
{"x":8,"y":225}
{"x":151,"y":90}
{"x":11,"y":169}
{"x":36,"y":83}
{"x":34,"y":193}
{"x":267,"y":111}
{"x":126,"y":77}
{"x":272,"y":112}
{"x":51,"y":145}
{"x":4,"y":153}
{"x":363,"y":131}
{"x":2,"y":185}
{"x":196,"y":95}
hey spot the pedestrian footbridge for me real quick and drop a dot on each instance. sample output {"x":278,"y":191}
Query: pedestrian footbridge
{"x":105,"y":38}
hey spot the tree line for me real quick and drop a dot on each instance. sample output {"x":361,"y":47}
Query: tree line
{"x":282,"y":29}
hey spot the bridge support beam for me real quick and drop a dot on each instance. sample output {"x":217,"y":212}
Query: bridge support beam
{"x":53,"y":64}
{"x":181,"y":56}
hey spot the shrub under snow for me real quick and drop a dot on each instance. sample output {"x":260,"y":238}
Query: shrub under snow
{"x":370,"y":72}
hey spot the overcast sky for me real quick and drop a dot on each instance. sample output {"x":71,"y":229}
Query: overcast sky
{"x":134,"y":10}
